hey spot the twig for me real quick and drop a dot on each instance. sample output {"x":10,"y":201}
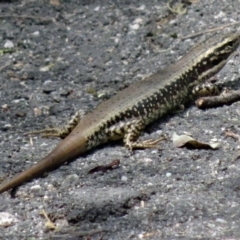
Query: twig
{"x":226,"y":97}
{"x":232,"y":134}
{"x":209,"y":30}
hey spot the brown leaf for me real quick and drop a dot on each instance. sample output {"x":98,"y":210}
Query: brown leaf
{"x":104,"y":168}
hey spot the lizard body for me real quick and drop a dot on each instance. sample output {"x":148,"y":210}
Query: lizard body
{"x":127,"y":113}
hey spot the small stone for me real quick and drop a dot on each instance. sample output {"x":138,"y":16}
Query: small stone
{"x":124,"y":178}
{"x":135,"y":26}
{"x":6,"y":127}
{"x":4,"y":107}
{"x":49,"y":86}
{"x":96,"y":9}
{"x":7,"y":219}
{"x":45,"y":68}
{"x":138,"y":20}
{"x":142,"y":7}
{"x":147,"y":160}
{"x":36,"y":187}
{"x":8,"y":44}
{"x":36,"y":33}
{"x":168,"y":174}
{"x":220,"y":220}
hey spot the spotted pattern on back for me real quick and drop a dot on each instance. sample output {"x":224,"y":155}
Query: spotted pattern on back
{"x":156,"y":95}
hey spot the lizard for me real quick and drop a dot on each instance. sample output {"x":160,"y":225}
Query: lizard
{"x":127,"y":113}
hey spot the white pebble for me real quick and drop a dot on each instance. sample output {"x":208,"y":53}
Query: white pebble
{"x":36,"y":33}
{"x":168,"y":174}
{"x":8,"y":44}
{"x":124,"y":178}
{"x":134,"y":26}
{"x":7,"y":219}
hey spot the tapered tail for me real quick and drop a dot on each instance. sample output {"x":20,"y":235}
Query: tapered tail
{"x":67,"y":150}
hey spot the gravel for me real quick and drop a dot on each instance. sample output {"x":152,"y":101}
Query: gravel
{"x":57,"y":57}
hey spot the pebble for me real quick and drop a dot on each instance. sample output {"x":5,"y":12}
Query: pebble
{"x":8,"y":44}
{"x":7,"y":219}
{"x":36,"y":33}
{"x":124,"y":178}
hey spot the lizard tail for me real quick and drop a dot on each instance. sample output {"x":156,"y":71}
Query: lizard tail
{"x":65,"y":151}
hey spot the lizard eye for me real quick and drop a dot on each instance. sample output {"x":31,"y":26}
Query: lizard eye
{"x":231,"y":43}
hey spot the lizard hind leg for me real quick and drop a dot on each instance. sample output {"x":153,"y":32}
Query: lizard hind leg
{"x":61,"y":132}
{"x":132,"y":133}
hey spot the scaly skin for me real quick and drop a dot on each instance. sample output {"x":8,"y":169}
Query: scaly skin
{"x":126,"y":114}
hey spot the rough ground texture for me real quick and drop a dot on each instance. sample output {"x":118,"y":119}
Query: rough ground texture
{"x":72,"y":55}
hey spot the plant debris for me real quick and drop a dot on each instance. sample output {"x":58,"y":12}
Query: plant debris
{"x":189,"y":142}
{"x":103,"y":168}
{"x":226,"y":97}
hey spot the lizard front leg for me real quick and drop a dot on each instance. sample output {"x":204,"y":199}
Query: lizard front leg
{"x":205,"y":89}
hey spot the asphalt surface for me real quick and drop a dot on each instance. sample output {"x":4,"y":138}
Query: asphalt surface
{"x":59,"y":57}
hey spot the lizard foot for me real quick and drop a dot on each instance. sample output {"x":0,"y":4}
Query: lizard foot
{"x":150,"y":143}
{"x":59,"y":132}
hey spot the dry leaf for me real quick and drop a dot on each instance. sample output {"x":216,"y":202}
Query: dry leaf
{"x":104,"y":168}
{"x":189,"y":142}
{"x":49,"y":224}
